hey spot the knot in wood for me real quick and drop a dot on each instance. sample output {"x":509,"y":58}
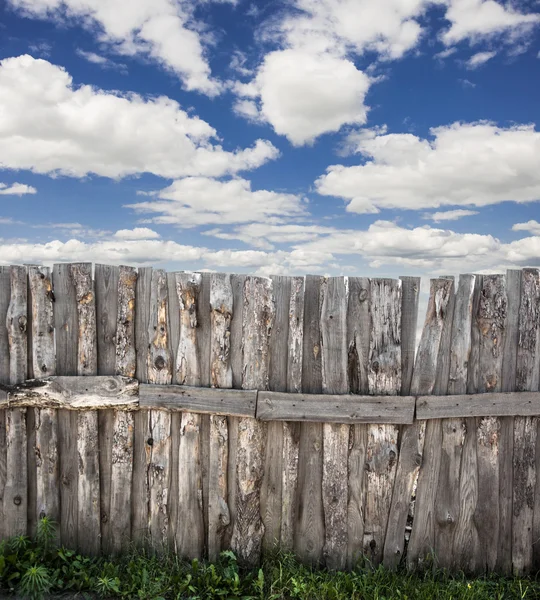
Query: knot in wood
{"x":22,"y":323}
{"x":449,"y":518}
{"x":373,"y":545}
{"x":44,"y":368}
{"x":104,"y":518}
{"x":17,"y":500}
{"x":65,"y":480}
{"x":159,"y":363}
{"x":362,"y":295}
{"x":150,"y":441}
{"x":375,"y":366}
{"x":41,"y":276}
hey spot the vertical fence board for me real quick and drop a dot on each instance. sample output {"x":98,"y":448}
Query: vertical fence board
{"x":291,"y":431}
{"x":258,"y":319}
{"x":525,"y":428}
{"x":5,"y":295}
{"x":358,"y":336}
{"x":271,"y":490}
{"x":384,"y":377}
{"x":448,"y":518}
{"x":190,"y":525}
{"x":309,"y":535}
{"x":125,"y":352}
{"x":333,"y":326}
{"x":16,"y":322}
{"x":66,"y":334}
{"x":414,"y":452}
{"x":88,"y":491}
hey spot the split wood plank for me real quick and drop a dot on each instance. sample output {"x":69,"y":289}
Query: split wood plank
{"x":447,"y":499}
{"x":158,"y":445}
{"x":525,"y":428}
{"x":221,"y":306}
{"x":66,"y":334}
{"x":384,"y":377}
{"x":258,"y":320}
{"x":125,"y":351}
{"x":271,"y":490}
{"x":309,"y":530}
{"x":335,"y":493}
{"x":241,"y":403}
{"x":141,"y":419}
{"x":16,"y":323}
{"x":410,"y":293}
{"x":291,"y":431}
{"x":412,"y":441}
{"x":358,"y":336}
{"x":190,"y":524}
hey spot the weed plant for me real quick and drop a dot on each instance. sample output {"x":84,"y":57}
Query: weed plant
{"x":38,"y":568}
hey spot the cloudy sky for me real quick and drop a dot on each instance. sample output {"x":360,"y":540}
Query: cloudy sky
{"x":396,"y":137}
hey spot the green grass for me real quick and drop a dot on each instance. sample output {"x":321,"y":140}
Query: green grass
{"x":35,"y":568}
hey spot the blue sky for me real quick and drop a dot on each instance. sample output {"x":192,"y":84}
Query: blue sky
{"x":325,"y":136}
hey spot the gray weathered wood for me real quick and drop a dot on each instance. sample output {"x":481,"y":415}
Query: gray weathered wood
{"x":190,"y":524}
{"x":15,"y":490}
{"x":66,"y":334}
{"x":525,"y":428}
{"x":81,"y":274}
{"x":332,"y":408}
{"x":142,"y":320}
{"x":3,"y":466}
{"x":410,"y":293}
{"x":309,"y":530}
{"x":76,"y":393}
{"x":258,"y":319}
{"x":106,"y":284}
{"x":159,"y":357}
{"x":447,"y":499}
{"x":125,"y":352}
{"x":5,"y":295}
{"x":358,"y":337}
{"x":41,"y":295}
{"x":200,"y":400}
{"x":384,"y":377}
{"x":412,"y":440}
{"x":16,"y":322}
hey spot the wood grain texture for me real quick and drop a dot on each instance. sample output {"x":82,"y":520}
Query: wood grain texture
{"x":66,"y":334}
{"x":5,"y":295}
{"x":410,"y":293}
{"x":81,"y":274}
{"x":525,"y":428}
{"x":125,"y":351}
{"x":258,"y":319}
{"x":15,"y":490}
{"x":16,"y":324}
{"x":358,"y":336}
{"x":3,"y":465}
{"x":41,"y":302}
{"x":190,"y":524}
{"x":309,"y":532}
{"x":271,"y":490}
{"x":159,"y":364}
{"x":106,"y":285}
{"x":384,"y":377}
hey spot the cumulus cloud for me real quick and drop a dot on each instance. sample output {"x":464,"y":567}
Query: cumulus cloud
{"x":16,"y":189}
{"x":138,"y":233}
{"x":476,"y":20}
{"x":196,"y":201}
{"x":473,"y":164}
{"x":450,"y":215}
{"x":531,"y":226}
{"x":48,"y":125}
{"x":478,"y":59}
{"x":162,"y":30}
{"x":102,"y":61}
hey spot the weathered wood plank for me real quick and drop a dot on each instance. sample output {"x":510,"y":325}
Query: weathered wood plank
{"x":3,"y":465}
{"x":76,"y":393}
{"x":221,"y":305}
{"x":66,"y":334}
{"x":106,"y":284}
{"x":5,"y":295}
{"x":15,"y":490}
{"x":141,"y":424}
{"x":412,"y":440}
{"x":506,"y":431}
{"x":333,"y":408}
{"x":125,"y":352}
{"x":16,"y":322}
{"x":525,"y":428}
{"x":258,"y":318}
{"x":410,"y":293}
{"x":309,"y":531}
{"x":447,"y":499}
{"x":159,"y":357}
{"x":41,"y":294}
{"x":81,"y":274}
{"x":271,"y":490}
{"x":358,"y":336}
{"x":190,"y":524}
{"x":200,"y":400}
{"x":291,"y":431}
{"x":384,"y":377}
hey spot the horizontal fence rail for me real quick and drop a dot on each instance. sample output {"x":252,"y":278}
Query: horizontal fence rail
{"x":200,"y":412}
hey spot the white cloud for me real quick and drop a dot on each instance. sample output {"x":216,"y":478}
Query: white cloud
{"x":48,"y":125}
{"x":202,"y":201}
{"x":450,"y":215}
{"x":138,"y":233}
{"x":478,"y":59}
{"x":465,"y":164}
{"x":16,"y":189}
{"x":445,"y":53}
{"x":164,"y":30}
{"x":102,"y":61}
{"x":475,"y":20}
{"x":531,"y":226}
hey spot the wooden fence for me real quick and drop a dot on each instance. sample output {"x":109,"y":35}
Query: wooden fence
{"x":208,"y":411}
